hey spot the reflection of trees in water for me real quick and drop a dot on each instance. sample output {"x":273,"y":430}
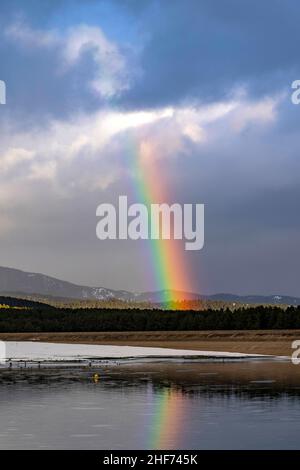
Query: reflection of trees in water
{"x":242,"y":391}
{"x":251,"y":390}
{"x":109,"y":380}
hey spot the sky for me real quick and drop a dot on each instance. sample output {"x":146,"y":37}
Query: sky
{"x":205,"y":84}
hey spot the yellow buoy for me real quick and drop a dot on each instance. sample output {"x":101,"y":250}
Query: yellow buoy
{"x":96,"y":378}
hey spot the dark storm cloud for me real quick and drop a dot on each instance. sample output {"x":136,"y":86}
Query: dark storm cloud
{"x":188,"y":51}
{"x":249,"y":184}
{"x":203,"y":49}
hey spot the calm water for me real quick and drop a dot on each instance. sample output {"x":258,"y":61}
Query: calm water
{"x":191,"y":406}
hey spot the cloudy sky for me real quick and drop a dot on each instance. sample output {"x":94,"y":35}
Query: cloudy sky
{"x":206,"y":83}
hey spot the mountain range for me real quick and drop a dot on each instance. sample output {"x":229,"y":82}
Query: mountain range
{"x":17,"y":282}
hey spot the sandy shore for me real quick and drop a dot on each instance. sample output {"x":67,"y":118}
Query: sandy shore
{"x":273,"y":342}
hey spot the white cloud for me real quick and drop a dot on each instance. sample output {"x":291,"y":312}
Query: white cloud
{"x":20,"y":32}
{"x":83,"y":145}
{"x":112,"y":74}
{"x":14,"y":157}
{"x":251,"y":113}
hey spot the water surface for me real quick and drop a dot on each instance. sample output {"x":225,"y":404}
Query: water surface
{"x":154,"y":406}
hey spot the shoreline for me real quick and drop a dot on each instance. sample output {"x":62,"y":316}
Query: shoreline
{"x":132,"y":361}
{"x":30,"y":354}
{"x":255,"y":342}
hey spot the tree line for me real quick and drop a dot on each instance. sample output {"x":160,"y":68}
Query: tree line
{"x":47,"y":319}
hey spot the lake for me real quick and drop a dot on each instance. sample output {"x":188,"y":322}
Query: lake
{"x":198,"y":405}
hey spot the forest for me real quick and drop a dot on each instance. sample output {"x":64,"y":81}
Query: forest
{"x":42,"y":318}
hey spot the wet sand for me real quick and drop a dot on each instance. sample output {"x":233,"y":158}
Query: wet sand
{"x":273,"y":342}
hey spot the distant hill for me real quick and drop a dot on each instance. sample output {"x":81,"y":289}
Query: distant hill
{"x":155,"y":297}
{"x":14,"y":282}
{"x":256,"y":299}
{"x":19,"y":302}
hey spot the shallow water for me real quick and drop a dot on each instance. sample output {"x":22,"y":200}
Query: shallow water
{"x":153,"y":406}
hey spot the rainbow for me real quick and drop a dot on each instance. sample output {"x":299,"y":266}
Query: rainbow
{"x":169,"y":266}
{"x":167,"y":425}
